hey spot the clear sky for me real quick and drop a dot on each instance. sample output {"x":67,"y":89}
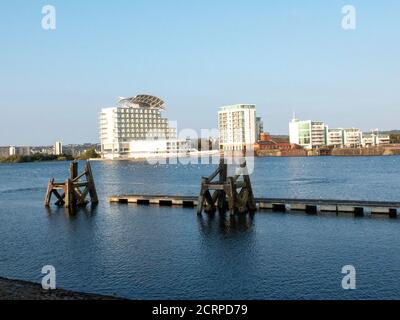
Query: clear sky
{"x":197,"y":55}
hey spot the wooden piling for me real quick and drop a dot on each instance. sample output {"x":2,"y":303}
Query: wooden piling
{"x":218,"y":191}
{"x":74,"y":191}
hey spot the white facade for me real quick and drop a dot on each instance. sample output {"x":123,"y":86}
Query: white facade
{"x":382,"y":139}
{"x":375,"y":139}
{"x":344,"y":138}
{"x":58,"y":148}
{"x":352,"y":138}
{"x":13,"y":151}
{"x":335,"y":138}
{"x":135,"y":128}
{"x":315,"y":134}
{"x":237,"y":127}
{"x":308,"y":134}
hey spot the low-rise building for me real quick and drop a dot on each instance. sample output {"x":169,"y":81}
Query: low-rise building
{"x":308,"y":134}
{"x":344,"y":138}
{"x":352,"y":138}
{"x":9,"y":151}
{"x":375,"y":139}
{"x":335,"y":138}
{"x":280,"y":147}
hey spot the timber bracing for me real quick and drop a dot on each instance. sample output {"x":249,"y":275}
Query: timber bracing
{"x":221,"y":192}
{"x":73,"y":192}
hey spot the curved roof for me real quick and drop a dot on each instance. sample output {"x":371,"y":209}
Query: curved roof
{"x":146,"y":101}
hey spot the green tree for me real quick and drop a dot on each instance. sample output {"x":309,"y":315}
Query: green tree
{"x":90,"y":154}
{"x":395,"y":138}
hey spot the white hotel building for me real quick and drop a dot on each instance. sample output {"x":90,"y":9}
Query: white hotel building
{"x":136,"y":129}
{"x":238,"y":127}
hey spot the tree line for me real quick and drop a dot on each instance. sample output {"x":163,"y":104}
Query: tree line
{"x":39,"y":157}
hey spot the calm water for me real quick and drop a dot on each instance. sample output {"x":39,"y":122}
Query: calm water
{"x":164,"y":253}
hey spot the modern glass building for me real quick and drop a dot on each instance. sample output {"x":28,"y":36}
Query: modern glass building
{"x":308,"y":134}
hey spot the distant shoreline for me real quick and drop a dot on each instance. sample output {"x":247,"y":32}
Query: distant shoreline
{"x":47,"y":157}
{"x":34,"y":158}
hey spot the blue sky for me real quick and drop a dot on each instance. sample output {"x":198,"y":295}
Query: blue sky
{"x":283,"y":56}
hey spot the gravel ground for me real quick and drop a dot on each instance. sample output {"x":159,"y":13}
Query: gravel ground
{"x":22,"y":290}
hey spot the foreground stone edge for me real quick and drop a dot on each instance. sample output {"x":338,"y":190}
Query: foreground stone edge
{"x":23,"y":290}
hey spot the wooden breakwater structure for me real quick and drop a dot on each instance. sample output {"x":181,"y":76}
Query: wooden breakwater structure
{"x":74,"y":191}
{"x":311,"y":206}
{"x":218,"y":191}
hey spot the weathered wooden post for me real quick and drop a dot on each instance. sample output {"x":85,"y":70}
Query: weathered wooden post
{"x":226,"y":194}
{"x":73,"y":170}
{"x":74,"y":191}
{"x":48,"y":193}
{"x":69,"y":194}
{"x":90,"y":184}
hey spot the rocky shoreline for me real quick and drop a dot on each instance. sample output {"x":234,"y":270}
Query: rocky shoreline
{"x":23,"y":290}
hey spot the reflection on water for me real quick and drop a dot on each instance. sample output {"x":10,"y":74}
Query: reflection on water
{"x":225,"y":223}
{"x":71,"y":212}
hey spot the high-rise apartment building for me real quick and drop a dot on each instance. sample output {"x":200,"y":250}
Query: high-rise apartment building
{"x":237,"y":127}
{"x":58,"y":148}
{"x":135,"y":128}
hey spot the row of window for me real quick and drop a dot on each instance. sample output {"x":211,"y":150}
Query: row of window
{"x":133,"y":110}
{"x":141,"y":125}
